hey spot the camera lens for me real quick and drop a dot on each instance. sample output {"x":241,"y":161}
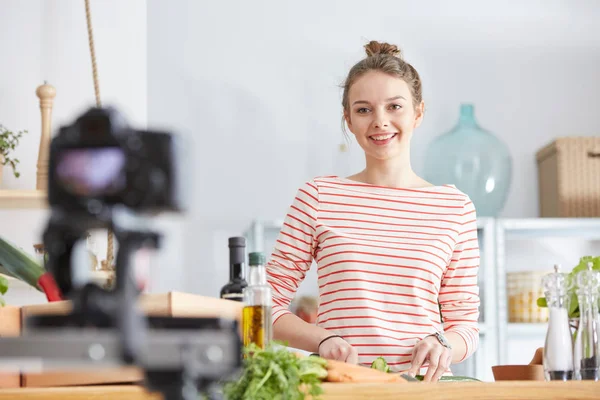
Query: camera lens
{"x":134,"y":143}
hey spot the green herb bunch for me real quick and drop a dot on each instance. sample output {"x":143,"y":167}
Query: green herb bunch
{"x":275,"y":373}
{"x":573,"y":301}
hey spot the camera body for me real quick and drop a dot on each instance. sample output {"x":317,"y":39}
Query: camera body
{"x":99,"y":162}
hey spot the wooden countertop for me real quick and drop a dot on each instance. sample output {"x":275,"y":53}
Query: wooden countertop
{"x":505,"y":390}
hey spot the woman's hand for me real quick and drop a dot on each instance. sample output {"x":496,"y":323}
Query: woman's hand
{"x":431,"y":350}
{"x":338,"y":349}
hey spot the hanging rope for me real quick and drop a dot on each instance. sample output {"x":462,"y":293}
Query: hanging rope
{"x":88,"y":15}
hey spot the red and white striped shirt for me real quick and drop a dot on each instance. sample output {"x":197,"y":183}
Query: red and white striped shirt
{"x":388,"y":260}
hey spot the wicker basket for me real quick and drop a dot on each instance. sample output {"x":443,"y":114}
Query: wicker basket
{"x":569,"y":177}
{"x":524,"y":288}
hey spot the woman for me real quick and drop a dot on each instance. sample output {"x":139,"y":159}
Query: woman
{"x":397,"y":256}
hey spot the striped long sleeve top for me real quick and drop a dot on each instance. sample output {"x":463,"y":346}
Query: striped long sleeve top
{"x":393,"y":265}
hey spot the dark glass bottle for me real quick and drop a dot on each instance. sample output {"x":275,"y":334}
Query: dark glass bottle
{"x":234,"y":289}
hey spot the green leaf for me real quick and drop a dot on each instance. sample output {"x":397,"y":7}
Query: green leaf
{"x":19,"y":263}
{"x":541,"y":302}
{"x":3,"y":285}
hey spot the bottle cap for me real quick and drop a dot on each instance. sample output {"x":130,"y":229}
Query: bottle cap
{"x":257,"y":258}
{"x":237,"y":241}
{"x":588,"y":280}
{"x":557,"y":283}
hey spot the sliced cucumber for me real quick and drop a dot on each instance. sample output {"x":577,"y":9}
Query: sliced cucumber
{"x":380,"y":364}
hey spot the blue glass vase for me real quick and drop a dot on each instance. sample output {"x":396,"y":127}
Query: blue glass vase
{"x":474,"y":160}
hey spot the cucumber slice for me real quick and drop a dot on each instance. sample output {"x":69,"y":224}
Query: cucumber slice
{"x":380,"y":364}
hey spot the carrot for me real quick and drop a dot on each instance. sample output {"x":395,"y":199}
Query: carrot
{"x":338,"y":371}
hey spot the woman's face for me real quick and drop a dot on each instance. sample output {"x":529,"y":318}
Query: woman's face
{"x":381,"y":115}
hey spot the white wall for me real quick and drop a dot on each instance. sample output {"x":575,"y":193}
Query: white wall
{"x":46,"y":40}
{"x":254,"y":85}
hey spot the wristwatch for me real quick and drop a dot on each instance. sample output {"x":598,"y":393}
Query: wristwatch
{"x":442,"y":339}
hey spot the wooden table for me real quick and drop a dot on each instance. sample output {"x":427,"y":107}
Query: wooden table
{"x":343,"y":391}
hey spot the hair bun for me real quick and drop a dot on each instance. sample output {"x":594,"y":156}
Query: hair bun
{"x":374,"y":47}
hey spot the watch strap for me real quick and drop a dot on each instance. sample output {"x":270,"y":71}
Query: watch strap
{"x":442,"y":339}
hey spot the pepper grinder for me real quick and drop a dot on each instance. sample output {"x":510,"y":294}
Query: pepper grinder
{"x":586,"y":355}
{"x":558,"y":347}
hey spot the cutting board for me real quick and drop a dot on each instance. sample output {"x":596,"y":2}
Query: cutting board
{"x":585,"y":390}
{"x":172,"y":304}
{"x":10,"y":325}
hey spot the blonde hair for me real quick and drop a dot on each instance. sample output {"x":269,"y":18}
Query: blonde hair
{"x":305,"y":303}
{"x":386,"y":58}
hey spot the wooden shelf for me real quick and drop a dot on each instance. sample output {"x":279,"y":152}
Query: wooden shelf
{"x":23,"y":199}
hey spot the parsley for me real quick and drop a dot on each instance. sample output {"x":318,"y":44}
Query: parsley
{"x":277,"y":374}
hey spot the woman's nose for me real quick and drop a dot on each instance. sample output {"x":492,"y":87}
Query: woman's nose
{"x":381,"y":121}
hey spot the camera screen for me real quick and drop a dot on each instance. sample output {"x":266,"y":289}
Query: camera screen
{"x":92,"y":171}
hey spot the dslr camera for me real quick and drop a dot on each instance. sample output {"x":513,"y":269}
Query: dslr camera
{"x":103,"y":174}
{"x":100,"y":162}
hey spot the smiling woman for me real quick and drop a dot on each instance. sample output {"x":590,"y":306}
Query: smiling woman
{"x":383,"y":104}
{"x":397,"y":256}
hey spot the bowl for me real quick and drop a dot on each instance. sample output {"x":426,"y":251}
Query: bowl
{"x":518,"y":372}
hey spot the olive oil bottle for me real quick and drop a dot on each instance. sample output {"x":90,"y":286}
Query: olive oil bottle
{"x":256,"y":316}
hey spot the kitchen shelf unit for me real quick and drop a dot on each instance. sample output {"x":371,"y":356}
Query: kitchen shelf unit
{"x":527,"y":229}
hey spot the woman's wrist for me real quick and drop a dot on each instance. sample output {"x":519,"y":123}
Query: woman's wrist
{"x":326,"y":339}
{"x":323,"y":335}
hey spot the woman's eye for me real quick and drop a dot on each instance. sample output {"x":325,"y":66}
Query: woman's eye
{"x":362,"y":110}
{"x":395,"y":106}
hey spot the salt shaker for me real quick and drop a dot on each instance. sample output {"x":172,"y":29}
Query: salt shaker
{"x":558,"y":348}
{"x":586,"y":352}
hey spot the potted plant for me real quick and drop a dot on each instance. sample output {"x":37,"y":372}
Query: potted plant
{"x":9,"y":141}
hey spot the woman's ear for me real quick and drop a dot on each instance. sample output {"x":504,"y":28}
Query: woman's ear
{"x":419,"y":111}
{"x":347,"y":119}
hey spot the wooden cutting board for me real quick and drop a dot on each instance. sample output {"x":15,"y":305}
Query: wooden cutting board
{"x":347,"y":391}
{"x":172,"y":304}
{"x":10,"y":325}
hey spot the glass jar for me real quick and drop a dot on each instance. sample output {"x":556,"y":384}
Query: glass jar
{"x":474,"y":160}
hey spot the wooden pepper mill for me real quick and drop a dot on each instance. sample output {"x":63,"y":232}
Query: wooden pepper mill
{"x":46,"y":94}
